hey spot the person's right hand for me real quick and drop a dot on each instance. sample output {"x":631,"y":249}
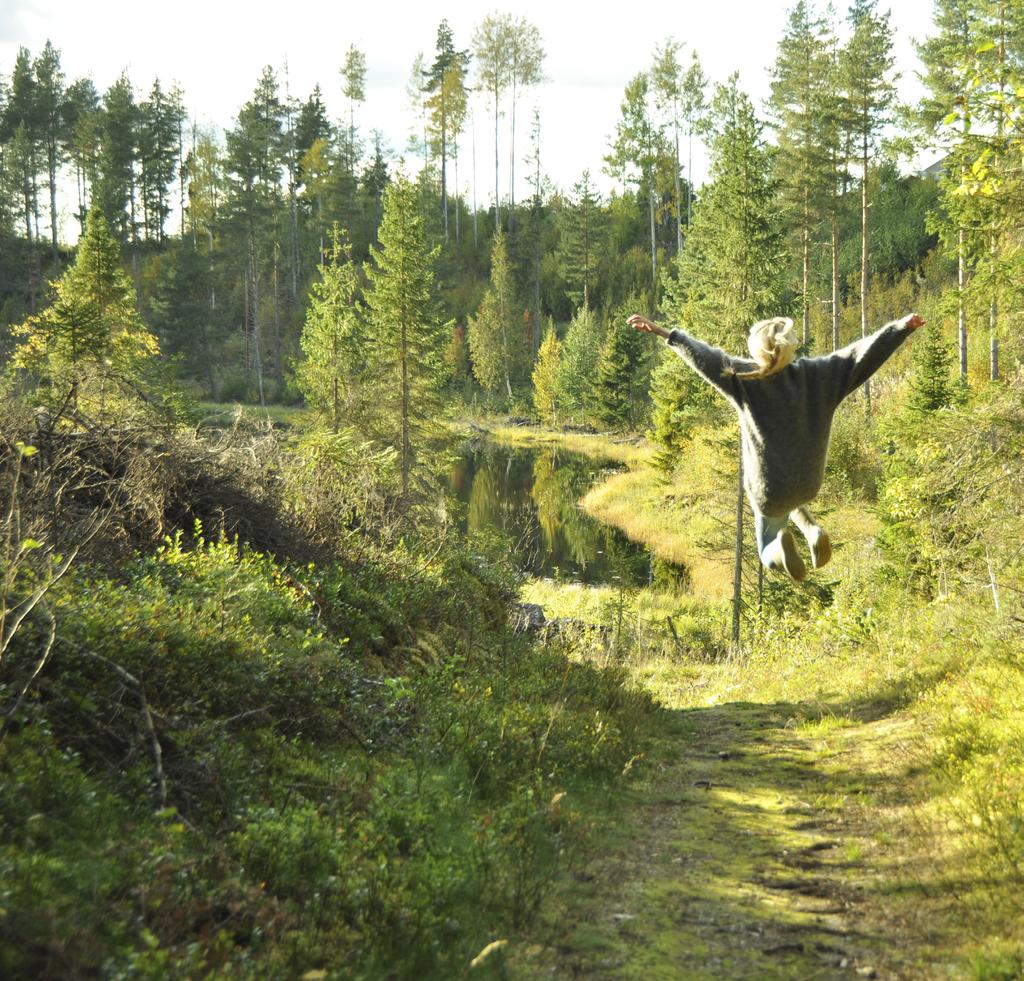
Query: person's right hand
{"x":914,"y":321}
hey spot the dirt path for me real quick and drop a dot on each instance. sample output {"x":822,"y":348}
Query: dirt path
{"x":755,"y":851}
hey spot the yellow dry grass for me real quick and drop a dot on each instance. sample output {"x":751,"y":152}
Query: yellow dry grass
{"x":631,"y":450}
{"x":647,"y":510}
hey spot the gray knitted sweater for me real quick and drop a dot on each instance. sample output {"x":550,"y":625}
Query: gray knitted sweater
{"x":785,"y":419}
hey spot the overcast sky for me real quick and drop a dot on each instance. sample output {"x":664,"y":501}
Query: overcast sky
{"x":216,"y":50}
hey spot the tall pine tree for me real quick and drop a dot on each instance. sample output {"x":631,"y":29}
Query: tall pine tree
{"x":52,"y":112}
{"x":945,"y":115}
{"x":870,"y":86}
{"x":407,"y":356}
{"x":445,"y":85}
{"x":253,"y":167}
{"x":637,"y":152}
{"x":799,"y":93}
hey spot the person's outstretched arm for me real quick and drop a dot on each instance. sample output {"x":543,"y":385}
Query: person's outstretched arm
{"x":711,"y":363}
{"x":851,"y":366}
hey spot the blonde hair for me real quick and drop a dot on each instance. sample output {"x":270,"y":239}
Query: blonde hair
{"x":772,"y":344}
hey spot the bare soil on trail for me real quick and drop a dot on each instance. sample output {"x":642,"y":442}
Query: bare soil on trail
{"x":762,"y":846}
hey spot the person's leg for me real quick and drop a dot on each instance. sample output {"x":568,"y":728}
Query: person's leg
{"x":817,"y":538}
{"x":776,"y":546}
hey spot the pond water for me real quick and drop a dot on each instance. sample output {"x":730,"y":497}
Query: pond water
{"x":532,"y":497}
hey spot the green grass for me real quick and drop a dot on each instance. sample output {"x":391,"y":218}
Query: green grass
{"x":224,"y":414}
{"x":369,"y":775}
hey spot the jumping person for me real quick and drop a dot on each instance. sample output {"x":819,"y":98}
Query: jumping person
{"x":785,"y":409}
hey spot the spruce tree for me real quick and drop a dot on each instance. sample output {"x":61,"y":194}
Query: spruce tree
{"x":680,"y":400}
{"x":312,"y":123}
{"x":115,"y":191}
{"x":930,"y":382}
{"x":91,"y":335}
{"x":333,"y":339}
{"x":617,"y":388}
{"x":731,"y":271}
{"x":545,"y":377}
{"x":406,"y":357}
{"x":181,"y":313}
{"x":456,"y":358}
{"x":581,"y":241}
{"x":496,"y":337}
{"x":375,"y":179}
{"x":581,"y":349}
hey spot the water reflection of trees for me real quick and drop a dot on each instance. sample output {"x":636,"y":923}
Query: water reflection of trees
{"x":532,"y":497}
{"x":484,"y":507}
{"x":499,"y":498}
{"x":558,"y":484}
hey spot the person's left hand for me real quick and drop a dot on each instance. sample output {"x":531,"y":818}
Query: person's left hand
{"x":638,"y":322}
{"x":914,"y":321}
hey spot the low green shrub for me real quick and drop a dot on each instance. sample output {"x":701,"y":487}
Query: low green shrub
{"x":229,"y":767}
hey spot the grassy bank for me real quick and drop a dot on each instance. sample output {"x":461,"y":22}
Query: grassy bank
{"x":670,"y":518}
{"x":225,"y":414}
{"x":630,"y":450}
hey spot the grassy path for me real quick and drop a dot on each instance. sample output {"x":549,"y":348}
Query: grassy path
{"x":752,"y":851}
